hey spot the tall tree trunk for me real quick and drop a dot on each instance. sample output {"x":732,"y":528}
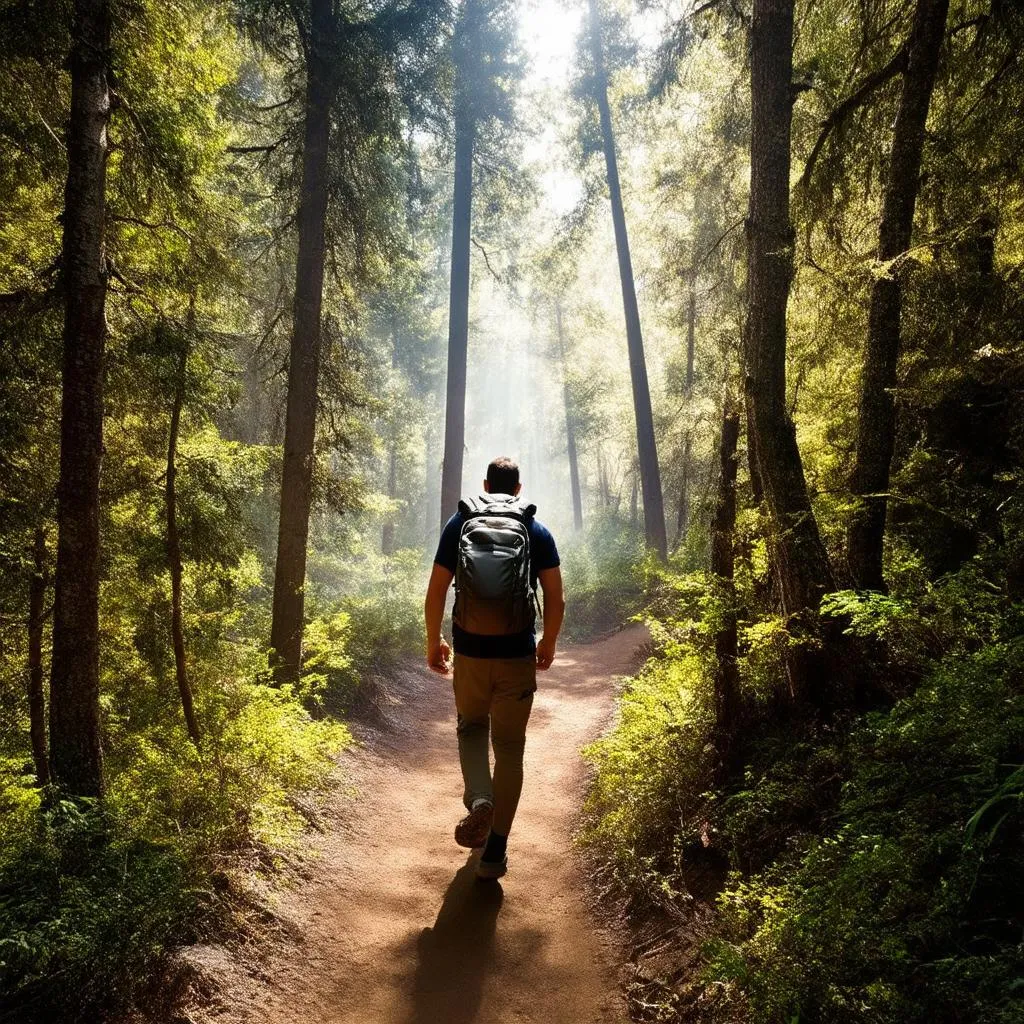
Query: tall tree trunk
{"x":76,"y":758}
{"x":691,"y":333}
{"x":723,"y":530}
{"x":602,"y":481}
{"x":387,"y":533}
{"x":174,"y":551}
{"x":458,"y":318}
{"x":36,"y":622}
{"x":801,"y":563}
{"x":876,"y":432}
{"x":634,"y":502}
{"x":304,"y":357}
{"x":432,"y":473}
{"x":650,"y":474}
{"x":570,"y":429}
{"x":683,"y":519}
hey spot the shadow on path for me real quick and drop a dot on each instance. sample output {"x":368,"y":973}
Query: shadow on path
{"x":453,"y":958}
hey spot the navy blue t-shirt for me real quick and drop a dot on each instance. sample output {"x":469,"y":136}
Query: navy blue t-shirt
{"x":543,"y":555}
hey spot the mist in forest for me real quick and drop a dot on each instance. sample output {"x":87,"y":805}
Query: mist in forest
{"x":514,"y":407}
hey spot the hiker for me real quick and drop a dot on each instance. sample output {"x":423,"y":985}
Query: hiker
{"x":496,"y":552}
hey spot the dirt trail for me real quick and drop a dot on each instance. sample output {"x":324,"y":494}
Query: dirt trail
{"x":392,"y":926}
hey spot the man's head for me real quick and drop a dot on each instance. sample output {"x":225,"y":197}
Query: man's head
{"x":502,"y":476}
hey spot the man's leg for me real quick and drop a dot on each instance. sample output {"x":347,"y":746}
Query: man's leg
{"x":515,"y":680}
{"x":473,"y":704}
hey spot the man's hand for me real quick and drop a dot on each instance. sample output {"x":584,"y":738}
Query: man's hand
{"x":439,"y":656}
{"x":545,"y":653}
{"x":554,"y":608}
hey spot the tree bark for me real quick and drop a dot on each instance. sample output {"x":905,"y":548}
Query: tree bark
{"x":458,"y":317}
{"x":433,"y":469}
{"x":570,"y":429}
{"x":650,"y":474}
{"x":876,"y":431}
{"x":723,"y":530}
{"x":801,"y":563}
{"x":683,"y":518}
{"x":691,"y":334}
{"x":602,"y":481}
{"x":174,"y":552}
{"x":387,"y":533}
{"x":76,"y":758}
{"x":36,"y":621}
{"x":304,"y":358}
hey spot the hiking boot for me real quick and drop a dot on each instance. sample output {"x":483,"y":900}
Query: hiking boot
{"x":491,"y":870}
{"x":474,"y":828}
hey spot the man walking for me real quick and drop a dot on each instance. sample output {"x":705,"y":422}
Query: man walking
{"x":497,"y":553}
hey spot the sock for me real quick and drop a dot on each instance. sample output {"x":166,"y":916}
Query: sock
{"x":478,"y":801}
{"x":495,"y":849}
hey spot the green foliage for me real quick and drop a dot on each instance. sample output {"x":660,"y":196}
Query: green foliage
{"x":367,"y":615}
{"x":93,"y":899}
{"x":649,"y":773}
{"x":604,"y":585}
{"x":897,"y":905}
{"x":877,"y":858}
{"x":86,"y":918}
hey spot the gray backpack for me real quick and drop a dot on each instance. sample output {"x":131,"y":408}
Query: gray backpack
{"x":493,"y":595}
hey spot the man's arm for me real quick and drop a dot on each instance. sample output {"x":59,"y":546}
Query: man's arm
{"x":438,"y":651}
{"x":554,"y":611}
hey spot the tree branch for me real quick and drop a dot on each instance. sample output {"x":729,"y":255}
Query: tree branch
{"x":487,"y":261}
{"x":256,"y":149}
{"x":170,"y":225}
{"x":897,"y":65}
{"x":721,"y":238}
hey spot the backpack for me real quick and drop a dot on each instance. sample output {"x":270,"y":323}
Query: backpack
{"x":493,"y":595}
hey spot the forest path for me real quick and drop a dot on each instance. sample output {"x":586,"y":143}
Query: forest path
{"x":393,"y":927}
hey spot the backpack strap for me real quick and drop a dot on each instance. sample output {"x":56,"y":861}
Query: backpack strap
{"x":490,"y":504}
{"x":471,"y":506}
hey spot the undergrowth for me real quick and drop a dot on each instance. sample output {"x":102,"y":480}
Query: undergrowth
{"x":605,"y":577}
{"x":95,"y":897}
{"x":876,"y":858}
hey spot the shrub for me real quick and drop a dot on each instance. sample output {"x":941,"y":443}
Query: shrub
{"x":363,"y":633}
{"x":92,"y":899}
{"x":902,"y":907}
{"x":877,"y":856}
{"x":603,"y":580}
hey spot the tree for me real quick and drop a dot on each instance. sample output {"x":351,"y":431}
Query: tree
{"x":304,"y":357}
{"x":683,"y":518}
{"x":76,"y":757}
{"x":174,"y":542}
{"x":36,"y":622}
{"x":358,"y":66}
{"x":458,"y":303}
{"x":387,"y":533}
{"x":485,"y":67}
{"x":723,"y":528}
{"x":800,"y":562}
{"x":650,"y":473}
{"x":876,"y":432}
{"x":570,"y":426}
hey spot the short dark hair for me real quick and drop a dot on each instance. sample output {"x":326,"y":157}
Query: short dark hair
{"x":503,"y":475}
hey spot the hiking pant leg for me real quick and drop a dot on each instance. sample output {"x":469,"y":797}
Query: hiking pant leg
{"x":515,"y":680}
{"x":472,"y":681}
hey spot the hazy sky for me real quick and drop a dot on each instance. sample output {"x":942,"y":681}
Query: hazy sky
{"x":549,"y":31}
